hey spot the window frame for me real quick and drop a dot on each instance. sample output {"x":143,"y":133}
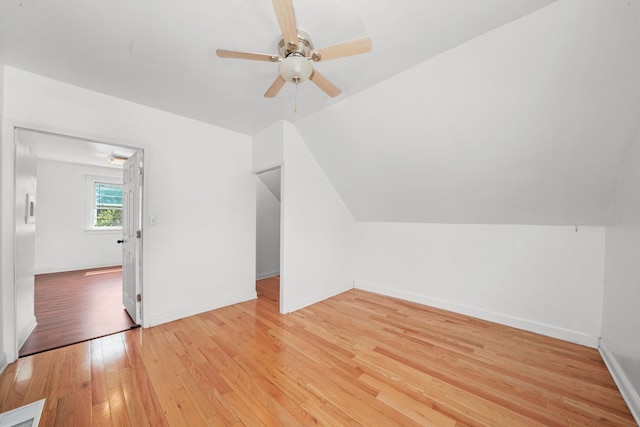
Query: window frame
{"x":91,"y":181}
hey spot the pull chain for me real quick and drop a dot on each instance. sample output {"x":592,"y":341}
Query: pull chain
{"x":295,"y":106}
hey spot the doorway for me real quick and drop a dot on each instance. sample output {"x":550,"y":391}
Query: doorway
{"x":74,"y":231}
{"x":268,"y":225}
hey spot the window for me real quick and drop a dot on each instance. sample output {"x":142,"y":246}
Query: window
{"x":108,"y":205}
{"x":105,"y":203}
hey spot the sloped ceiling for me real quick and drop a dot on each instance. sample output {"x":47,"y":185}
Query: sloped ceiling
{"x":271,"y":180}
{"x":526,"y":124}
{"x":468,"y":111}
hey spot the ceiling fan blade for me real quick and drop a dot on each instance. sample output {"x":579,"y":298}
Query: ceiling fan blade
{"x":353,"y":47}
{"x":323,"y":83}
{"x":275,"y":87}
{"x":223,"y":53}
{"x":287,"y":21}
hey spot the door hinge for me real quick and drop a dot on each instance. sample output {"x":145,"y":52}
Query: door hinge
{"x":139,"y":297}
{"x":140,"y":170}
{"x":139,"y":234}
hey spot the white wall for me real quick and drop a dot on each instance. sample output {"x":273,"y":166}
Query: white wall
{"x":3,"y":239}
{"x":620,"y":343}
{"x":539,"y":278}
{"x":26,"y":160}
{"x":267,"y":232}
{"x":267,"y":147}
{"x":62,"y":241}
{"x":198,"y":183}
{"x":318,"y":244}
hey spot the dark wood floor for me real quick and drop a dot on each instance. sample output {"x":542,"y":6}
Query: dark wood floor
{"x":76,"y":306}
{"x":355,"y":359}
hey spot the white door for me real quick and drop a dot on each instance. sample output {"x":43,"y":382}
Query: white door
{"x":132,"y":237}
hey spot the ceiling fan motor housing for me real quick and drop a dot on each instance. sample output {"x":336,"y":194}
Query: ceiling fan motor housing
{"x":304,"y":46}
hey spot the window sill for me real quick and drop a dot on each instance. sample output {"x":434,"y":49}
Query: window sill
{"x":103,"y":230}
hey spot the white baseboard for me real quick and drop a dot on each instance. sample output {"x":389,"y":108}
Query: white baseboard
{"x":629,"y":394}
{"x":49,"y":270}
{"x":317,"y":298}
{"x":266,"y":275}
{"x":503,"y":319}
{"x":26,"y":331}
{"x":3,"y":362}
{"x":200,"y":308}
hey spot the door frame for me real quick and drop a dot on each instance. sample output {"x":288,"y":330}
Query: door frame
{"x":8,"y":224}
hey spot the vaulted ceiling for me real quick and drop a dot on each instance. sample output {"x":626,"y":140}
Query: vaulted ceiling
{"x":469,"y":111}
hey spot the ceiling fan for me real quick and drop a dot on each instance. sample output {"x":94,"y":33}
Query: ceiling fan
{"x":296,"y":53}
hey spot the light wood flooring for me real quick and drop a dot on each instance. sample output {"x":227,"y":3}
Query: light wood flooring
{"x":75,"y":306}
{"x":354,"y":359}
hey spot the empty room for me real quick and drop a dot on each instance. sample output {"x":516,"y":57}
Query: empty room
{"x":333,"y":212}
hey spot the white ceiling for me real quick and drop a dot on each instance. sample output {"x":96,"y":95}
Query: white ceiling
{"x":470,"y":111}
{"x":75,"y":150}
{"x":162,"y":53}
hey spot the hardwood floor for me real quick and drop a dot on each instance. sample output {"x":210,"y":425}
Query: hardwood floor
{"x":355,"y":359}
{"x":76,"y":306}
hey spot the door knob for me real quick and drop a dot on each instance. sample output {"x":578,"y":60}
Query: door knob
{"x":120,"y":241}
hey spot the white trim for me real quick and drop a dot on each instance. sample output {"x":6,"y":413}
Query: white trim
{"x":25,"y":332}
{"x":201,"y":308}
{"x":283,"y":278}
{"x":503,"y":319}
{"x":7,"y":251}
{"x":3,"y":362}
{"x":32,"y":411}
{"x":74,"y":268}
{"x":105,"y":230}
{"x":629,"y":394}
{"x":267,"y":274}
{"x":317,"y":298}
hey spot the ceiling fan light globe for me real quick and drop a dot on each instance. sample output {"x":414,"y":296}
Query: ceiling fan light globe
{"x":296,"y":68}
